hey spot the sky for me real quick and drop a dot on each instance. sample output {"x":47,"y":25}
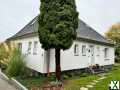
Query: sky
{"x":15,"y":14}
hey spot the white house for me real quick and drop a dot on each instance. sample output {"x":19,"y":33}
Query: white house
{"x":88,"y":49}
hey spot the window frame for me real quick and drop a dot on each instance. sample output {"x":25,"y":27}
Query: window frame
{"x":83,"y":50}
{"x":106,"y":53}
{"x":98,"y":51}
{"x":20,"y":46}
{"x":29,"y":48}
{"x":35,"y":47}
{"x":76,"y":50}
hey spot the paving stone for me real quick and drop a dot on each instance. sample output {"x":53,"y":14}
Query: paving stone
{"x":101,"y":78}
{"x":83,"y":88}
{"x":95,"y":81}
{"x":89,"y":86}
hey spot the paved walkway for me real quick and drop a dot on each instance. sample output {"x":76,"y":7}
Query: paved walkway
{"x":4,"y":85}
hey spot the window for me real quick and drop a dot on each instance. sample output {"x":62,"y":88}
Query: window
{"x":84,"y":50}
{"x":76,"y":49}
{"x":20,"y":46}
{"x":29,"y":47}
{"x":35,"y":48}
{"x":98,"y":51}
{"x":106,"y":53}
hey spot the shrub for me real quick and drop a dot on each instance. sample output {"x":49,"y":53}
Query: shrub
{"x":17,"y":64}
{"x":117,"y":59}
{"x":4,"y":56}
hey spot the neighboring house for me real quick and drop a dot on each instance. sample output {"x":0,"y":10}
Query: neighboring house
{"x":88,"y":49}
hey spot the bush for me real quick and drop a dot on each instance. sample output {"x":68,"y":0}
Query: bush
{"x":117,"y":59}
{"x":52,"y":78}
{"x":4,"y":56}
{"x":16,"y":65}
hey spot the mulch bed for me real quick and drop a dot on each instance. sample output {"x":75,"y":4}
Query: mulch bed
{"x":49,"y":87}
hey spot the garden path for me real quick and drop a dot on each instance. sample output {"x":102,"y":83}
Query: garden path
{"x":4,"y":85}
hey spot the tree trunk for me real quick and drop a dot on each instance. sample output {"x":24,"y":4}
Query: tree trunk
{"x":57,"y":61}
{"x":48,"y":62}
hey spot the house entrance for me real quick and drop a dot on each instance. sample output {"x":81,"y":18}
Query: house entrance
{"x":91,"y":55}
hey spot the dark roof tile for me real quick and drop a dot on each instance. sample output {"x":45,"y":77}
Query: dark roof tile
{"x":84,"y":31}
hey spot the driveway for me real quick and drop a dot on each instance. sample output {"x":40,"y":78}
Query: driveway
{"x":4,"y":85}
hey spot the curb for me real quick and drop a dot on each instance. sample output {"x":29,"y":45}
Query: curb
{"x":13,"y":81}
{"x":18,"y":85}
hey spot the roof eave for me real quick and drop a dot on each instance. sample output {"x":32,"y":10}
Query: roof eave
{"x":94,"y":41}
{"x":78,"y":38}
{"x":23,"y":36}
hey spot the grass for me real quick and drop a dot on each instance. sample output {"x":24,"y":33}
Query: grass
{"x":76,"y":82}
{"x":32,"y":82}
{"x":73,"y":83}
{"x":104,"y":84}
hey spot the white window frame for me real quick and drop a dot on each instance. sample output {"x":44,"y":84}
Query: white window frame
{"x":106,"y":53}
{"x":20,"y":46}
{"x":83,"y":50}
{"x":76,"y":49}
{"x":35,"y":47}
{"x":29,"y":47}
{"x":98,"y":51}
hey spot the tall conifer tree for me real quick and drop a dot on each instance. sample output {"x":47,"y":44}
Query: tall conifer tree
{"x":58,"y":21}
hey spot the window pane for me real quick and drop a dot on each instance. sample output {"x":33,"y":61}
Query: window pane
{"x":83,"y":50}
{"x":98,"y":51}
{"x":29,"y":47}
{"x":76,"y":49}
{"x":106,"y":53}
{"x":35,"y":47}
{"x":20,"y":46}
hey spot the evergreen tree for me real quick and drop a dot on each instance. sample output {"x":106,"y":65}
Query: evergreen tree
{"x":58,"y":21}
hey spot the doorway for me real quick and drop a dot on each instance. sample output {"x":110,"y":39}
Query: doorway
{"x":91,"y":55}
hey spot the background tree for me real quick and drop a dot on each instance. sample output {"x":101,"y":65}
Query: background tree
{"x":58,"y":21}
{"x":113,"y":34}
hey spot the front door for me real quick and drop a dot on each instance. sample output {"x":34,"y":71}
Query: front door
{"x":91,"y":55}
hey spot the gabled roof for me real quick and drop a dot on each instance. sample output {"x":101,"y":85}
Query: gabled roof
{"x":84,"y":32}
{"x":28,"y":29}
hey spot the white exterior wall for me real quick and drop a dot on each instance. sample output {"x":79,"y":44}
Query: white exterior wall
{"x":34,"y":62}
{"x":70,"y":62}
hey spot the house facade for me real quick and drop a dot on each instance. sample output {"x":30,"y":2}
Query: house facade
{"x":88,"y":49}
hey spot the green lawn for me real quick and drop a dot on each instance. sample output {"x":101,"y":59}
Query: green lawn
{"x":32,"y":82}
{"x":76,"y":83}
{"x":104,"y":84}
{"x":72,"y":83}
